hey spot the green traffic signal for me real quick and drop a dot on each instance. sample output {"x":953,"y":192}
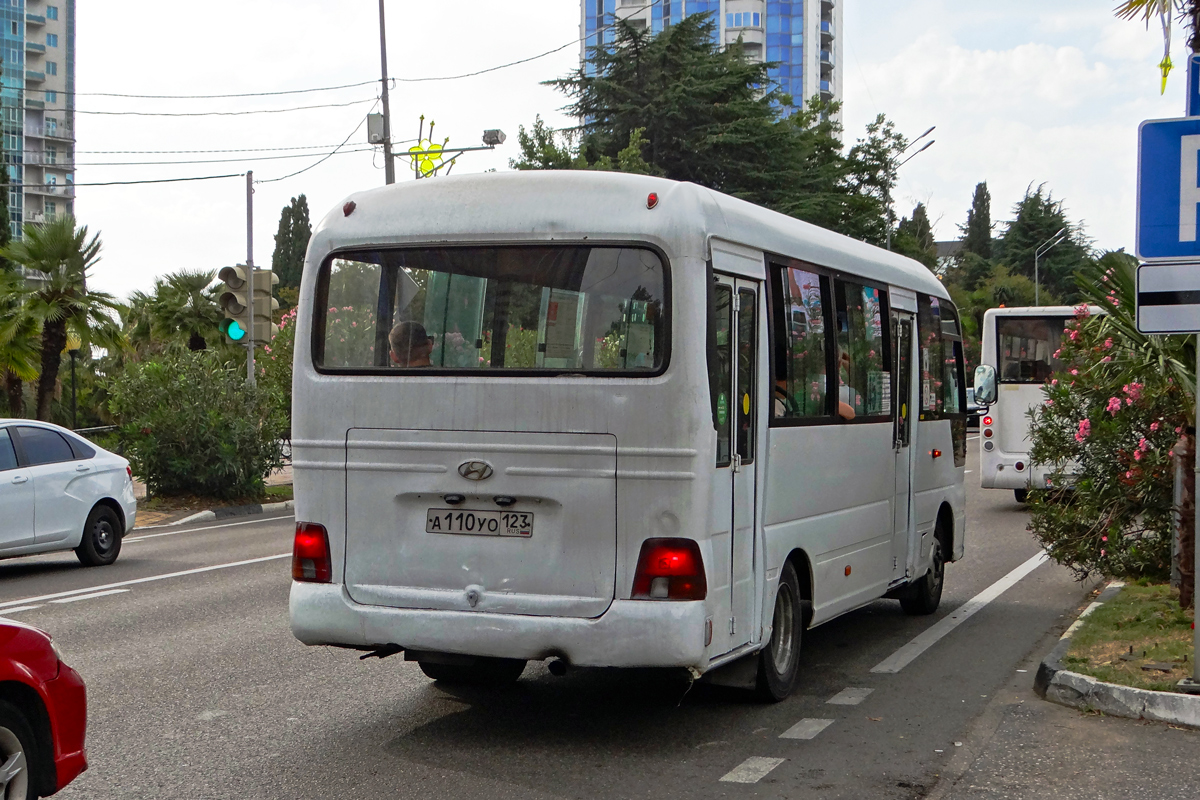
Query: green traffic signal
{"x":233,"y":330}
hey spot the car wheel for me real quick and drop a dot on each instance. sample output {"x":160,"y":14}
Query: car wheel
{"x":779,"y":661}
{"x":482,"y":672}
{"x":1022,"y":495}
{"x":101,"y":541}
{"x":925,"y":595}
{"x":17,"y":755}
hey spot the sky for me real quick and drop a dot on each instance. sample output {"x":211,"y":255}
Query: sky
{"x":1022,"y":93}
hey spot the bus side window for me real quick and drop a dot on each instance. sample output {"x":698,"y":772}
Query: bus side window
{"x":864,"y":374}
{"x":722,"y":380}
{"x":929,"y":333}
{"x":801,"y":344}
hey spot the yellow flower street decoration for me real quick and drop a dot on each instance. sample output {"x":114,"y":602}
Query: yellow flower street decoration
{"x":426,"y":157}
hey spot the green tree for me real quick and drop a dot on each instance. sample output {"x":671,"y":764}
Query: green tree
{"x":62,"y":301}
{"x":914,"y":238}
{"x":18,"y":341}
{"x":977,"y":233}
{"x":5,"y":218}
{"x":1038,"y":218}
{"x":291,"y":242}
{"x":184,"y":309}
{"x":542,"y":147}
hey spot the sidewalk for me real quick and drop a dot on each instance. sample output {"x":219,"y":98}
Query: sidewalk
{"x":1025,"y":748}
{"x":147,"y":518}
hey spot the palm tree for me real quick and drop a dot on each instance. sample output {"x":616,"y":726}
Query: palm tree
{"x":182,"y":308}
{"x":64,"y":255}
{"x":1187,"y":11}
{"x":18,"y":341}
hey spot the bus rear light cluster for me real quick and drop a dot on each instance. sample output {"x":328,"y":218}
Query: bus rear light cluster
{"x":670,"y":569}
{"x":987,"y":420}
{"x":1020,"y":465}
{"x":310,"y":554}
{"x":987,"y":433}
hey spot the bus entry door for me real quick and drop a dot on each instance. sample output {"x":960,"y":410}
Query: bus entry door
{"x":733,"y":512}
{"x":903,"y":413}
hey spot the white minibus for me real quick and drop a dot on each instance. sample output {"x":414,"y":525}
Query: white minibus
{"x":1021,"y":345}
{"x":611,"y":420}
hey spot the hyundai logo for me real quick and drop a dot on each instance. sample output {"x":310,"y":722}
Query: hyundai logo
{"x":476,"y":470}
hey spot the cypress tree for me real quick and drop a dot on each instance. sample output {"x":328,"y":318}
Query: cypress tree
{"x":291,"y":242}
{"x":977,"y":233}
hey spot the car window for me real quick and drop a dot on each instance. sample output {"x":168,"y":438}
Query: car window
{"x":44,"y":446}
{"x":83,"y":450}
{"x":8,"y":456}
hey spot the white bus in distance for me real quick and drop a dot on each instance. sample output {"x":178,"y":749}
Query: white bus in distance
{"x":613,"y":421}
{"x":1019,"y":354}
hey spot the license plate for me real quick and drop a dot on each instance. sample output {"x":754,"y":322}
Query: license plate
{"x":479,"y":523}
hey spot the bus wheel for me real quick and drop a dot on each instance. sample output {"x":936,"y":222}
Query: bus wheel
{"x":1021,"y":494}
{"x":925,"y":595}
{"x":483,"y":672}
{"x":779,"y":661}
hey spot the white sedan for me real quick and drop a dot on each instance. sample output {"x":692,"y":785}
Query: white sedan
{"x":60,"y":492}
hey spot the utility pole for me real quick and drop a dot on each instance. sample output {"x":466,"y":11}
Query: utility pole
{"x":250,"y":270}
{"x":389,"y":169}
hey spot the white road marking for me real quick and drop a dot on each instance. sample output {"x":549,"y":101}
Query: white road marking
{"x":91,"y":596}
{"x":197,"y":530}
{"x":136,"y":581}
{"x":970,"y":471}
{"x":20,"y":608}
{"x":849,"y":697}
{"x":926,"y":639}
{"x":752,"y":770}
{"x":806,"y":729}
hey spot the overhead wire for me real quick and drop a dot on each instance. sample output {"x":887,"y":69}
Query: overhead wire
{"x":357,"y":128}
{"x":220,"y":113}
{"x":194,"y":161}
{"x":207,"y":96}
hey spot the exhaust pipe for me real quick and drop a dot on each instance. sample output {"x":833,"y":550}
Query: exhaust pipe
{"x":558,"y":668}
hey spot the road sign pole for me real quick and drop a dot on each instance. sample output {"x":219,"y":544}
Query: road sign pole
{"x":250,"y":276}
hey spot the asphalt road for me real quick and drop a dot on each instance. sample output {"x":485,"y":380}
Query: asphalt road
{"x":198,"y":690}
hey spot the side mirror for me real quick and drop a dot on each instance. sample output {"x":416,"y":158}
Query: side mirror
{"x":985,"y":385}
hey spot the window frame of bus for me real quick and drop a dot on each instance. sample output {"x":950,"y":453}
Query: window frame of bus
{"x":321,"y":307}
{"x":774,"y":288}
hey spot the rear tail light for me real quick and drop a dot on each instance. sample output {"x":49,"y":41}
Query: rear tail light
{"x":129,"y":471}
{"x":310,"y":554}
{"x":1020,"y":466}
{"x":987,"y":433}
{"x":670,"y":569}
{"x":987,"y":420}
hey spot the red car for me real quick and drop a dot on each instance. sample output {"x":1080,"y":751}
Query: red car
{"x":43,"y":715}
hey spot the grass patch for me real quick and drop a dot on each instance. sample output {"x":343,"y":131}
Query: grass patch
{"x":278,"y":494}
{"x":273,"y":494}
{"x":1145,"y":621}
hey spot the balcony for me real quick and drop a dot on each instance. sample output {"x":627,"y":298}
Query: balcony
{"x":826,"y":32}
{"x":35,"y":77}
{"x":66,"y":190}
{"x":826,"y":6}
{"x":34,"y":47}
{"x":35,"y":19}
{"x":826,"y":90}
{"x":34,"y":103}
{"x":49,"y":133}
{"x":749,"y":35}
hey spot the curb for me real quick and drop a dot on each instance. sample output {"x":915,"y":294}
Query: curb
{"x":1056,"y":683}
{"x":236,"y":511}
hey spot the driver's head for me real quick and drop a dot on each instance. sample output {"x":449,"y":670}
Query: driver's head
{"x":410,"y":344}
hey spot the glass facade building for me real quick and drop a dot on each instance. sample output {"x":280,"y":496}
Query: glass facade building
{"x":37,"y":108}
{"x":800,"y":37}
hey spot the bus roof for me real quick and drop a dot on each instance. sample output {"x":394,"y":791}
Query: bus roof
{"x":572,"y":205}
{"x":1039,"y":311}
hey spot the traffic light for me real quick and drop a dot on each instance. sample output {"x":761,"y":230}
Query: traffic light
{"x":234,"y":299}
{"x":265,"y":306}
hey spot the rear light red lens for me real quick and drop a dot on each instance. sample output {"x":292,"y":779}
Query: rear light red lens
{"x":670,"y":569}
{"x":987,"y":433}
{"x":987,"y":420}
{"x":310,"y":554}
{"x":129,"y":471}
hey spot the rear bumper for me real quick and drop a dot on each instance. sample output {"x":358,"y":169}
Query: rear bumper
{"x":67,"y":707}
{"x":630,"y":633}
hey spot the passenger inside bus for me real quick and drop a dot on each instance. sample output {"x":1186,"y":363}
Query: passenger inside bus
{"x":411,"y":345}
{"x":846,"y":395}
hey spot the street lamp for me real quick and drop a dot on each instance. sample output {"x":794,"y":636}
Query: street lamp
{"x":888,"y":188}
{"x":1042,"y":249}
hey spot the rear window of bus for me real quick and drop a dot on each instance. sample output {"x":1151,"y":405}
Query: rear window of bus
{"x":1028,"y":348}
{"x":537,"y":309}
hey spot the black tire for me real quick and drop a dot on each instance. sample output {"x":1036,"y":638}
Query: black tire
{"x":18,"y":755}
{"x":925,"y":595}
{"x":779,"y":661}
{"x":483,"y":672}
{"x":101,"y":543}
{"x":1022,"y":495}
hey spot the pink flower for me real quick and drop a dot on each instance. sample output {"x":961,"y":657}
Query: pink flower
{"x":1054,"y":382}
{"x":1049,"y":402}
{"x":353,"y":324}
{"x":1114,"y":405}
{"x":333,"y":309}
{"x":1137,"y":455}
{"x":1057,"y":353}
{"x":1179,"y":429}
{"x":1127,"y":475}
{"x":266,"y":349}
{"x":1108,"y":344}
{"x":1085,"y":430}
{"x":1154,"y":426}
{"x":1074,"y":372}
{"x":1102,"y":553}
{"x":1082,"y":310}
{"x":1106,"y":359}
{"x":1143,"y":445}
{"x":1134,"y":390}
{"x":1105,"y":538}
{"x":1074,"y":334}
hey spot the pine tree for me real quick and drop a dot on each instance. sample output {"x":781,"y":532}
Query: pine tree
{"x":291,"y":242}
{"x":914,"y":238}
{"x":977,"y":233}
{"x":1038,"y":217}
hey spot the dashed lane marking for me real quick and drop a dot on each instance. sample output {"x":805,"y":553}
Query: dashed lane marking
{"x":806,"y":729}
{"x":752,"y":770}
{"x":19,"y":608}
{"x":849,"y":697}
{"x":91,"y":596}
{"x":136,"y":581}
{"x":931,"y":636}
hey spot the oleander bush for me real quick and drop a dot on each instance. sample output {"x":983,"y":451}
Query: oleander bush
{"x":190,"y":425}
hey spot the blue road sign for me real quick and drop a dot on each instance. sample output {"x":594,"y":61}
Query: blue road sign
{"x":1168,"y":194}
{"x":1193,"y":85}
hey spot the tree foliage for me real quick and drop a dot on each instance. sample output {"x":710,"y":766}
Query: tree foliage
{"x":977,"y":233}
{"x":291,"y":242}
{"x":914,"y":238}
{"x":1038,"y":217}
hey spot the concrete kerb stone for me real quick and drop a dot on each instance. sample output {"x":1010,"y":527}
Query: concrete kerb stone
{"x":236,"y":511}
{"x":1056,"y":683}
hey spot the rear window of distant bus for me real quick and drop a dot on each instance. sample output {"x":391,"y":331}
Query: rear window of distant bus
{"x":480,"y":310}
{"x":1028,"y":348}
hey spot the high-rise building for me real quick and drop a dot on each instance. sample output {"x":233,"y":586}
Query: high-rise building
{"x":802,"y":35}
{"x":37,"y":108}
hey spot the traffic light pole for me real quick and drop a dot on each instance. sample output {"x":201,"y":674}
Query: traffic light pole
{"x":250,"y":274}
